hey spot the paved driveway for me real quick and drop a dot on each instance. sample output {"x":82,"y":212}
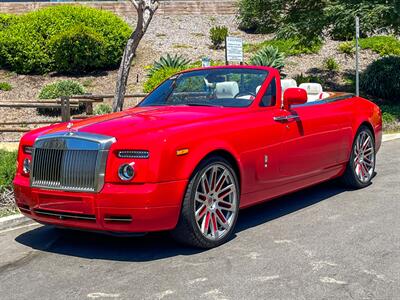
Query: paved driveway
{"x":321,"y":243}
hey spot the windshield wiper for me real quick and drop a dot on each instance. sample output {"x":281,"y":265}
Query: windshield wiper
{"x":202,"y":104}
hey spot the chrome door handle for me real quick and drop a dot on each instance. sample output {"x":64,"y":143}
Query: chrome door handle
{"x":286,"y":118}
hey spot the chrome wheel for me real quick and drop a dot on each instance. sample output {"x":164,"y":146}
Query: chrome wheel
{"x":216,"y":201}
{"x":364,"y":157}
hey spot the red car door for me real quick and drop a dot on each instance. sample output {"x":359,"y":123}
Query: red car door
{"x":262,"y":176}
{"x":316,"y":140}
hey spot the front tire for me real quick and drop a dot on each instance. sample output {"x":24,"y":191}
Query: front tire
{"x":210,"y":206}
{"x":361,"y":167}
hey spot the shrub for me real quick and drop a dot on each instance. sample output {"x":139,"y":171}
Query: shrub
{"x":7,"y":168}
{"x":347,"y":48}
{"x":390,"y":113}
{"x":382,"y":79}
{"x":25,"y":44}
{"x":383,"y":45}
{"x":288,"y":47}
{"x":77,"y":50}
{"x":307,"y":79}
{"x":102,"y":109}
{"x":218,"y":35}
{"x":331,"y":65}
{"x":61,"y":88}
{"x":269,"y":56}
{"x":158,"y":77}
{"x":6,"y":20}
{"x":58,"y":89}
{"x":5,"y":86}
{"x":168,"y":61}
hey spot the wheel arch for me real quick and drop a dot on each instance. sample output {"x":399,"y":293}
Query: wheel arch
{"x":368,"y":125}
{"x":227,"y":155}
{"x":230,"y":158}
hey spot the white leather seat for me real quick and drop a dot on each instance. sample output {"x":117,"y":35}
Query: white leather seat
{"x":288,"y":83}
{"x":314,"y":91}
{"x":228,"y":89}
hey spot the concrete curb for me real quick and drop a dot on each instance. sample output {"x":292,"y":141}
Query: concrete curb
{"x":390,"y":137}
{"x":14,"y":221}
{"x":19,"y":219}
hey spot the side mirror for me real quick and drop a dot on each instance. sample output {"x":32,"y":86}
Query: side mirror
{"x":293,"y":96}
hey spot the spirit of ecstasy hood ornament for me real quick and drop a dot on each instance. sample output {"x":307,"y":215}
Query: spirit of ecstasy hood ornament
{"x":69,"y":127}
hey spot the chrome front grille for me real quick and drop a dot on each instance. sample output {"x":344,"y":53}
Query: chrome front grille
{"x":70,"y":161}
{"x":67,"y":169}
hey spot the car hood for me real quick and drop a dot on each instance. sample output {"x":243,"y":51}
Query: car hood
{"x":143,"y":120}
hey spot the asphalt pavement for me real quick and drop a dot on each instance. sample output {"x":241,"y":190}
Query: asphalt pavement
{"x":321,"y":243}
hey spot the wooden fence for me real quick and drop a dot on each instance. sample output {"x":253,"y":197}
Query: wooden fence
{"x":65,"y":104}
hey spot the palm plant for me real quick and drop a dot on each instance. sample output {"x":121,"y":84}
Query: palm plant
{"x":269,"y":57}
{"x":168,"y":61}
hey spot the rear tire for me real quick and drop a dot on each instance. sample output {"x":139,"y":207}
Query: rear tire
{"x":210,"y":206}
{"x":361,"y":166}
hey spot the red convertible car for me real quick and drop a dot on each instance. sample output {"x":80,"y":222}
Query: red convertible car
{"x":201,"y":146}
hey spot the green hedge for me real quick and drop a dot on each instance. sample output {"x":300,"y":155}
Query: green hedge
{"x":78,"y":49}
{"x":41,"y":41}
{"x":6,"y":20}
{"x":8,"y":162}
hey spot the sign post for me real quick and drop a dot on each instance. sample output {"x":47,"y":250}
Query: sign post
{"x":233,"y":50}
{"x":357,"y":57}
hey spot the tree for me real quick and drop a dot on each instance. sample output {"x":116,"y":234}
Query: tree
{"x":308,"y":21}
{"x":145,"y":12}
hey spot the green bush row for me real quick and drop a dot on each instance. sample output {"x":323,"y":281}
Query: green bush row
{"x":64,"y":38}
{"x":383,"y":45}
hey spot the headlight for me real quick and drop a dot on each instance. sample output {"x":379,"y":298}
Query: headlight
{"x":26,"y":167}
{"x":126,"y":172}
{"x":139,"y":154}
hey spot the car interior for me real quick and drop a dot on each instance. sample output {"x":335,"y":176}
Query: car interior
{"x":230,"y":89}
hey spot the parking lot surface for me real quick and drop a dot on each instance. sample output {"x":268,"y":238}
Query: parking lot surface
{"x":321,"y":243}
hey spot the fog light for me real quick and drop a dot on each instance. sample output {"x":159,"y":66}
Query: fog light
{"x":26,"y":168}
{"x":126,"y":172}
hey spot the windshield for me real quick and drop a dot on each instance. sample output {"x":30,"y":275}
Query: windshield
{"x":209,"y":87}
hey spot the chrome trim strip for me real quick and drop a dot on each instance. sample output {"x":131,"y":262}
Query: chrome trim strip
{"x":65,"y":215}
{"x":118,"y":220}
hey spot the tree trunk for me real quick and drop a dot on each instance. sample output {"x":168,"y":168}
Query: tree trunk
{"x":145,"y":10}
{"x":124,"y":70}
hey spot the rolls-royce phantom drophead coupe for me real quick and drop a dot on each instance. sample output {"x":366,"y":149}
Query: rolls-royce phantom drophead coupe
{"x":203,"y":145}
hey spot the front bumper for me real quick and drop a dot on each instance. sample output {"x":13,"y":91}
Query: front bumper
{"x":134,"y":208}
